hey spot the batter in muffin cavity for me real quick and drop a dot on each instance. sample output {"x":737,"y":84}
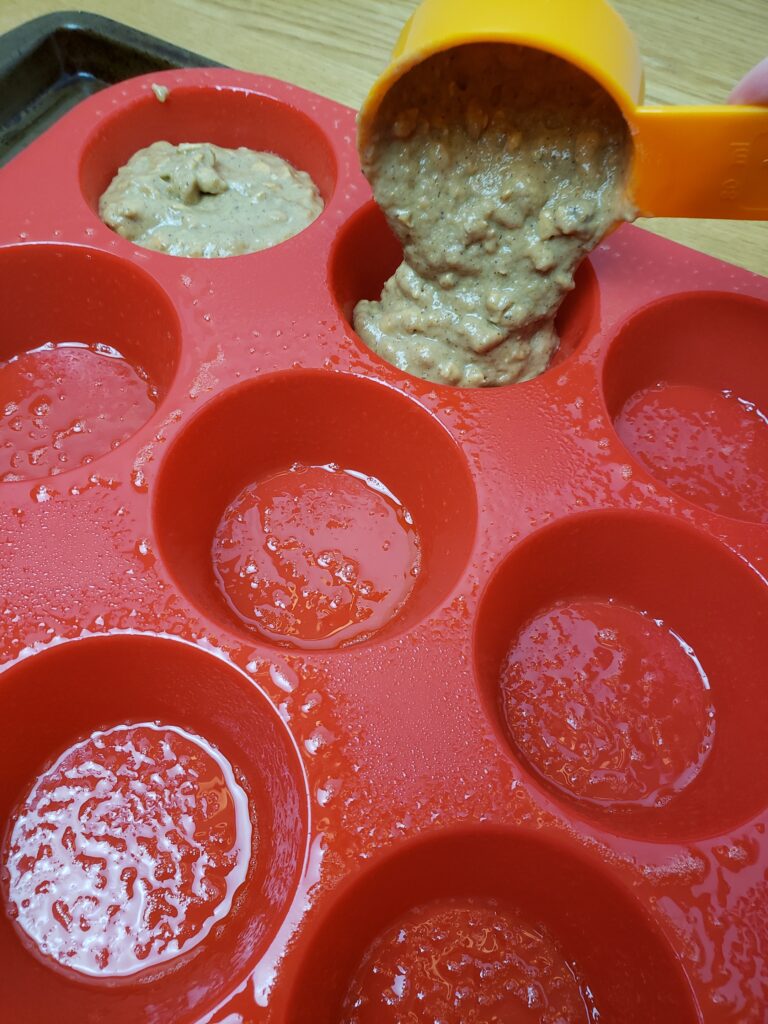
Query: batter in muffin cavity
{"x":197,"y":199}
{"x":498,"y":167}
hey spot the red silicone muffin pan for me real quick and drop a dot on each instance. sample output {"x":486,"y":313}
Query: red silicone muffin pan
{"x":472,"y":682}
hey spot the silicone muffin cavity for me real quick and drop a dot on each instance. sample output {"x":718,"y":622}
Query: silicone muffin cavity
{"x":686,"y":385}
{"x":614,"y":688}
{"x":373,"y":539}
{"x":485,"y":921}
{"x":125,"y":714}
{"x":89,"y":349}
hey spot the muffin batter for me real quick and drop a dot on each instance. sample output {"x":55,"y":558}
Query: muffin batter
{"x":498,"y":168}
{"x":197,"y":199}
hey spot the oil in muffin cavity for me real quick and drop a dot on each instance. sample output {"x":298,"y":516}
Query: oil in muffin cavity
{"x":607,"y":703}
{"x":471,"y":960}
{"x":127,"y":850}
{"x":64,"y":404}
{"x":709,"y":446}
{"x":316,"y":556}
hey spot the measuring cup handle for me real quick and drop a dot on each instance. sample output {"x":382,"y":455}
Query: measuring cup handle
{"x":701,"y":162}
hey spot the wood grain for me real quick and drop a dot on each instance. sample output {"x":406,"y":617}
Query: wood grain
{"x":694,"y":51}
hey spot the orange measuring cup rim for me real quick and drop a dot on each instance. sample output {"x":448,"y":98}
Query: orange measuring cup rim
{"x":688,"y":161}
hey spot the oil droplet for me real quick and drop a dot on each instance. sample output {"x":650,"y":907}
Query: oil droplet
{"x":283,"y":678}
{"x":41,"y":494}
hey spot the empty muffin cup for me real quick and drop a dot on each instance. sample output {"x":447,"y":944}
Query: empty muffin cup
{"x":154,"y":829}
{"x":485,"y":923}
{"x":89,"y":350}
{"x":319,"y":510}
{"x":639,"y":707}
{"x":686,"y":385}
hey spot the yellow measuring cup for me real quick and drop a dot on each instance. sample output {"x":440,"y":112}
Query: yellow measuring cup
{"x":689,"y":161}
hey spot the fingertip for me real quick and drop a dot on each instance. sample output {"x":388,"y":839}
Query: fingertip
{"x":753,"y":88}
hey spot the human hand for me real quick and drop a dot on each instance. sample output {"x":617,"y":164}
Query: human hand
{"x":753,"y":88}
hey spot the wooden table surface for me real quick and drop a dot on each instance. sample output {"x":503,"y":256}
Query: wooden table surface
{"x":694,"y":51}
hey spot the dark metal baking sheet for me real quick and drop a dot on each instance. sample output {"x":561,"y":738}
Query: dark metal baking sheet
{"x":51,"y":63}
